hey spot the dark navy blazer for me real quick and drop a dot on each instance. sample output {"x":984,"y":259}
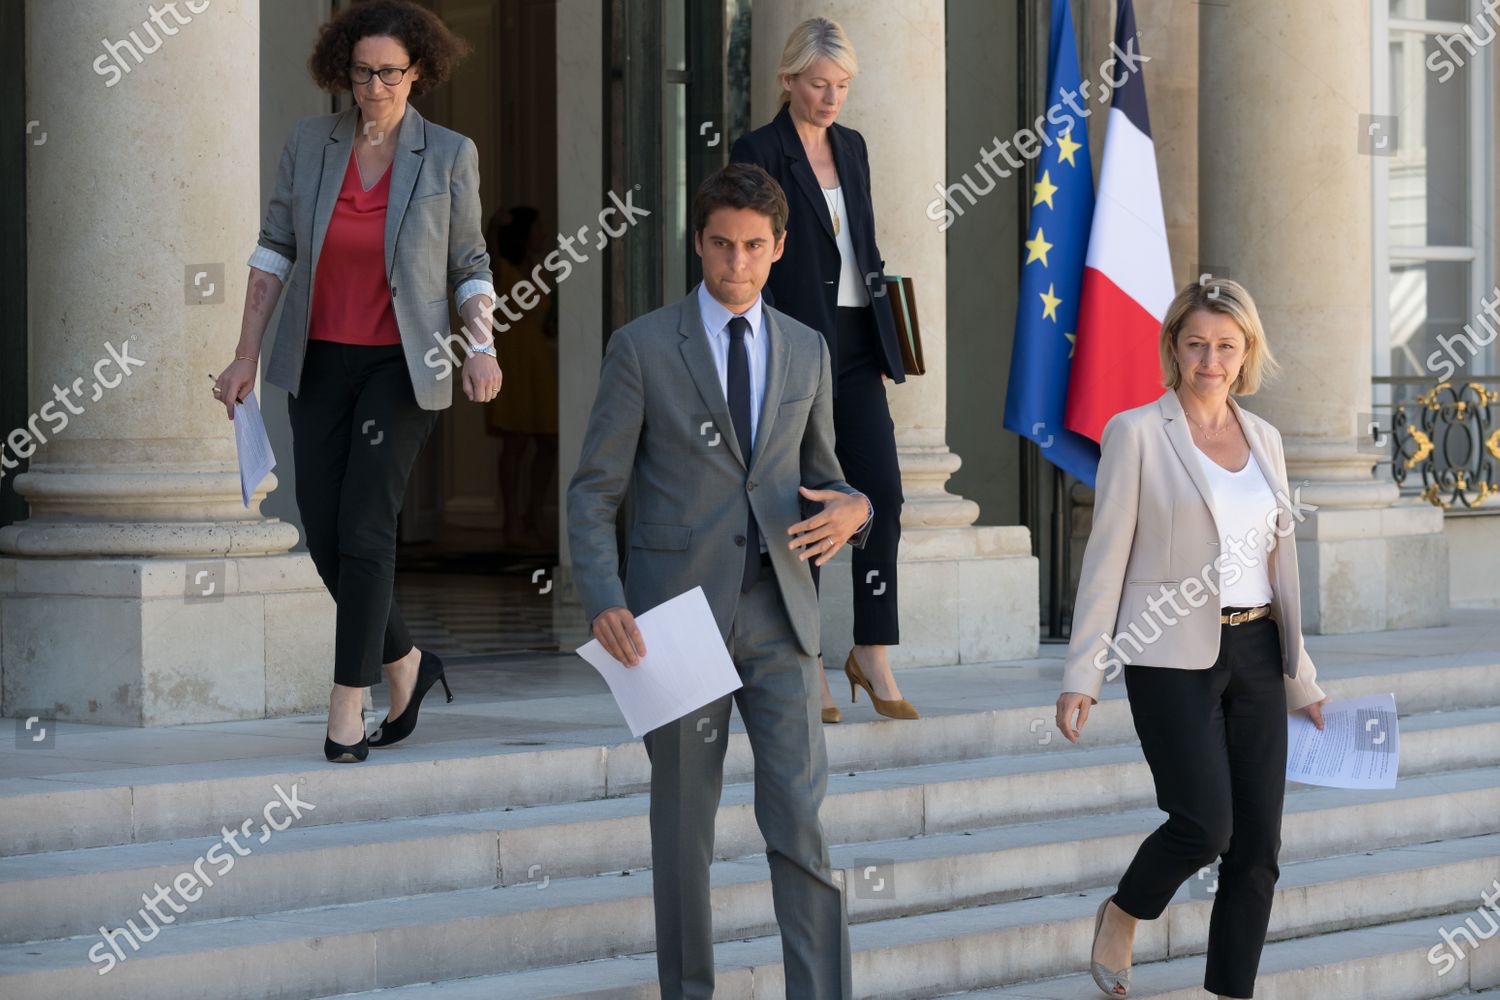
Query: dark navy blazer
{"x":804,"y":283}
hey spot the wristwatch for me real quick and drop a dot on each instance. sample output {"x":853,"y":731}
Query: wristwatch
{"x":486,"y":349}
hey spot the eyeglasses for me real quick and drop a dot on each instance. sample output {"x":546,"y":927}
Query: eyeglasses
{"x":389,"y":75}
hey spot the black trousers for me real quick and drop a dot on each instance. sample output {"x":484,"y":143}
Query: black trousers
{"x":1215,"y":741}
{"x":865,"y":444}
{"x":356,"y":433}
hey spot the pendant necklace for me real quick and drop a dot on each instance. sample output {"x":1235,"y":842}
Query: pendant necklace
{"x":832,"y":197}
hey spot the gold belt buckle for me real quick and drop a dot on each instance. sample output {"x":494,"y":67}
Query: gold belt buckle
{"x":1249,"y":615}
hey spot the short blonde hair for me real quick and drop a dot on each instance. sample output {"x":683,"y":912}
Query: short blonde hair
{"x":1227,"y":298}
{"x":815,"y":38}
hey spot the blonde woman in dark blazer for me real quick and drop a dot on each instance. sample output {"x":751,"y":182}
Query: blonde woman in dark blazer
{"x":1189,"y":582}
{"x":374,"y":224}
{"x":831,"y":277}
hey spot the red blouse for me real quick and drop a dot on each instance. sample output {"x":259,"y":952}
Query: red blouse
{"x":351,"y":301}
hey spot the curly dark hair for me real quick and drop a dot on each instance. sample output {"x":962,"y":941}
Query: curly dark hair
{"x":427,"y":40}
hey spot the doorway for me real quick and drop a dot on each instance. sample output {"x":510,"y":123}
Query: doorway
{"x":480,"y":543}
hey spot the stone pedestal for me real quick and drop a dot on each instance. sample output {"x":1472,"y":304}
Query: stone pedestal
{"x":967,"y":593}
{"x":141,"y":590}
{"x":1285,"y":208}
{"x":164,"y":641}
{"x":1365,"y":570}
{"x":967,"y":596}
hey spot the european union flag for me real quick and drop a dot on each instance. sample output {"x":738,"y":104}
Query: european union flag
{"x":1062,"y":210}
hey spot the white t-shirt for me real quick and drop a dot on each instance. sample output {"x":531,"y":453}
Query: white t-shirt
{"x":852,"y":291}
{"x":1244,"y":504}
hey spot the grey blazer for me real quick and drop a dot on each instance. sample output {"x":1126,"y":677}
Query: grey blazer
{"x":660,"y":423}
{"x":434,"y":242}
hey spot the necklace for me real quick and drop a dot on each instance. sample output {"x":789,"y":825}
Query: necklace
{"x":832,"y":197}
{"x":1206,"y":432}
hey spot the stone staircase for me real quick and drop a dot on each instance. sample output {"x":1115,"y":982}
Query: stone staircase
{"x":975,"y":845}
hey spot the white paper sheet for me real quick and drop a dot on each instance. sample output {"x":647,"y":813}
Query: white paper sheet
{"x":1359,"y":746}
{"x":256,"y":460}
{"x":686,"y":665}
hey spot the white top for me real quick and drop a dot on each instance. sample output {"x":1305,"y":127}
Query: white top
{"x":852,"y":291}
{"x":1245,"y":505}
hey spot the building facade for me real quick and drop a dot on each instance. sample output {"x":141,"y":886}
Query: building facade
{"x":1336,"y":156}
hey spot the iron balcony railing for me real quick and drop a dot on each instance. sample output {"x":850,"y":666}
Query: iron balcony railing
{"x":1443,"y":444}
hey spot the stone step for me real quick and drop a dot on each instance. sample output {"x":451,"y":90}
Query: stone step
{"x":474,"y":932}
{"x":972,"y":949}
{"x":66,"y":893}
{"x":1386,"y":962}
{"x":66,"y":810}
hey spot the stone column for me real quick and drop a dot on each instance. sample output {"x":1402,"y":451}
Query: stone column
{"x":967,"y":593}
{"x":1285,"y":208}
{"x":580,"y":162}
{"x":140,"y":590}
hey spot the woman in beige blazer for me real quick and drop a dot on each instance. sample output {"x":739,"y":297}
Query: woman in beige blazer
{"x":1189,"y":585}
{"x":374,"y":225}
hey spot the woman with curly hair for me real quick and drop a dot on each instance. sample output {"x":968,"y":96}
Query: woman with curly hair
{"x":374,"y":223}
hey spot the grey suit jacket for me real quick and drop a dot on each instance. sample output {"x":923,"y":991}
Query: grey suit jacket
{"x":660,"y":423}
{"x":434,"y":243}
{"x":1156,"y":532}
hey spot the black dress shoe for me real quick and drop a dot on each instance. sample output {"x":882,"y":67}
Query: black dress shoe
{"x":338,"y":753}
{"x":392,"y":731}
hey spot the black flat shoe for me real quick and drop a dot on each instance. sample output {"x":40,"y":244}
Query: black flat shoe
{"x":338,"y":753}
{"x":393,"y":731}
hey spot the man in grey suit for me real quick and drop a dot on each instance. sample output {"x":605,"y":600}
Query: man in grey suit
{"x":717,"y":411}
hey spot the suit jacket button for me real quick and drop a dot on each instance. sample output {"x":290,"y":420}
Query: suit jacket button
{"x":739,"y":540}
{"x":749,"y":486}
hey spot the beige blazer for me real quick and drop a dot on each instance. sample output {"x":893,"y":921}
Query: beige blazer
{"x":434,"y":247}
{"x":1155,"y":534}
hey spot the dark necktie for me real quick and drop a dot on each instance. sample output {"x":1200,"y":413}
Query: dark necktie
{"x":739,"y":412}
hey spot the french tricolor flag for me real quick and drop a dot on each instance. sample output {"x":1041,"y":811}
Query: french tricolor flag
{"x":1127,"y":278}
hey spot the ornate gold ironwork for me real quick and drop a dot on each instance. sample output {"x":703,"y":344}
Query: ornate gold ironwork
{"x":1449,"y":435}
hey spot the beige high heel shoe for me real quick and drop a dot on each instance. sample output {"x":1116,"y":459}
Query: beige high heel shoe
{"x":898,"y":708}
{"x":1113,"y":982}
